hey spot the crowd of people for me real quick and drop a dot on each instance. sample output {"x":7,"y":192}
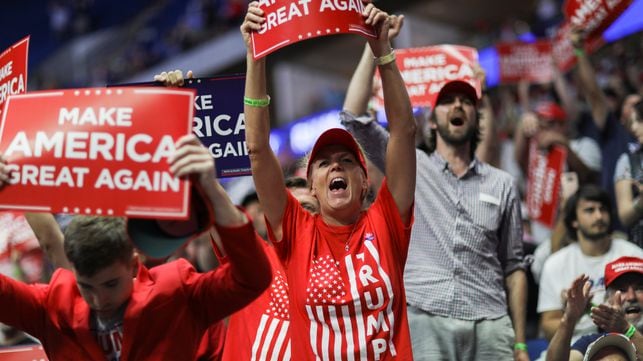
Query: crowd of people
{"x":409,"y":242}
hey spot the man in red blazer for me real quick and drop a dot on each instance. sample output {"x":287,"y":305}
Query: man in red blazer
{"x":110,"y":307}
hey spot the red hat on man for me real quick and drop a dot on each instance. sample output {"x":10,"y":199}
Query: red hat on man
{"x":455,"y":86}
{"x":621,"y":266}
{"x":551,"y":111}
{"x":337,"y":136}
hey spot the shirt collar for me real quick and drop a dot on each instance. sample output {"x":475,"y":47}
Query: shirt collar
{"x":474,"y":165}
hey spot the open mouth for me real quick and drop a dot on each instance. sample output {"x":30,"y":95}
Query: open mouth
{"x":633,"y":309}
{"x":337,"y":184}
{"x":457,"y":121}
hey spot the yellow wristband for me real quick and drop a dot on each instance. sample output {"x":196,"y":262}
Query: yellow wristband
{"x":386,"y":59}
{"x":520,"y":346}
{"x":258,"y":103}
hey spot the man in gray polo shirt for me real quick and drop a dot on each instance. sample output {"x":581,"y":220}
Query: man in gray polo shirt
{"x":465,"y":281}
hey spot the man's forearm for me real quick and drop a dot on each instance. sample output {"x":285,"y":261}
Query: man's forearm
{"x":516,"y":284}
{"x":50,"y":237}
{"x":558,"y":349}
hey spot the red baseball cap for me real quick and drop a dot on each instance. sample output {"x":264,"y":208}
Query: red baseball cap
{"x":551,"y":111}
{"x":336,"y":136}
{"x":456,"y":86}
{"x":621,"y":266}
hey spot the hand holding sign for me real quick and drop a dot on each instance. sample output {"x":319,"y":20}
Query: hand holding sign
{"x":397,"y":21}
{"x":251,"y":23}
{"x":4,"y":172}
{"x":193,"y":159}
{"x":594,"y":16}
{"x":173,"y":78}
{"x":381,"y":23}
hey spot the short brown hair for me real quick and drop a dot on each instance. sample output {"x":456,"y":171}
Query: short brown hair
{"x":94,"y":243}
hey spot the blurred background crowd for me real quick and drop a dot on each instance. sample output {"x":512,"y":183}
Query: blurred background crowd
{"x":80,"y":43}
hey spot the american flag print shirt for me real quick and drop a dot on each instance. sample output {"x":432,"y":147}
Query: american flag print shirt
{"x":350,"y":320}
{"x":347,"y":305}
{"x":272,"y":340}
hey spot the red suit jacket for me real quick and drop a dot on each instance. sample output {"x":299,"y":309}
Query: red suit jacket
{"x":170,"y":308}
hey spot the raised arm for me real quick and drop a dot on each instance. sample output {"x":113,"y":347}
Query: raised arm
{"x":360,"y":88}
{"x":565,"y":94}
{"x":400,"y":153}
{"x":588,"y":84}
{"x":266,"y":170}
{"x":487,"y":150}
{"x":44,"y":226}
{"x":21,"y":305}
{"x":248,"y":262}
{"x":526,"y":128}
{"x":370,"y":135}
{"x":50,"y":237}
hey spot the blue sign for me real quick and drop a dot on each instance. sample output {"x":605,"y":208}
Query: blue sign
{"x":219,"y":121}
{"x":220,"y":124}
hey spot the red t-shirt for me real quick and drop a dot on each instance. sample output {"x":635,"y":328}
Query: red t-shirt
{"x":260,"y":330}
{"x":347,"y":305}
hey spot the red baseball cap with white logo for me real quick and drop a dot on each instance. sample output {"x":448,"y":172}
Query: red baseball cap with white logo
{"x":621,"y":266}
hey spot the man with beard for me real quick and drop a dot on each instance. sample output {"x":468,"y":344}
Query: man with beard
{"x":621,"y":313}
{"x":587,"y":219}
{"x":465,"y":283}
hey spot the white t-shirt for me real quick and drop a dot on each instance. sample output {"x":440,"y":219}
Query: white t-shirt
{"x":588,"y":151}
{"x":542,"y":252}
{"x":562,"y":267}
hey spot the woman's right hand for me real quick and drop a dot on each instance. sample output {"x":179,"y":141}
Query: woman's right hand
{"x":252,"y":22}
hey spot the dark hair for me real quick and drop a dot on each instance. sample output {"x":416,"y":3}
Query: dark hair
{"x":431,"y":140}
{"x":249,"y":198}
{"x":588,"y":192}
{"x":94,"y":243}
{"x":296,"y":182}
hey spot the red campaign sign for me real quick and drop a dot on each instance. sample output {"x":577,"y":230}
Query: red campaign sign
{"x":594,"y":16}
{"x":425,"y":70}
{"x":100,"y":151}
{"x":13,"y":70}
{"x":543,"y":185}
{"x":522,"y":61}
{"x":563,"y":50}
{"x":291,"y":21}
{"x":22,"y":353}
